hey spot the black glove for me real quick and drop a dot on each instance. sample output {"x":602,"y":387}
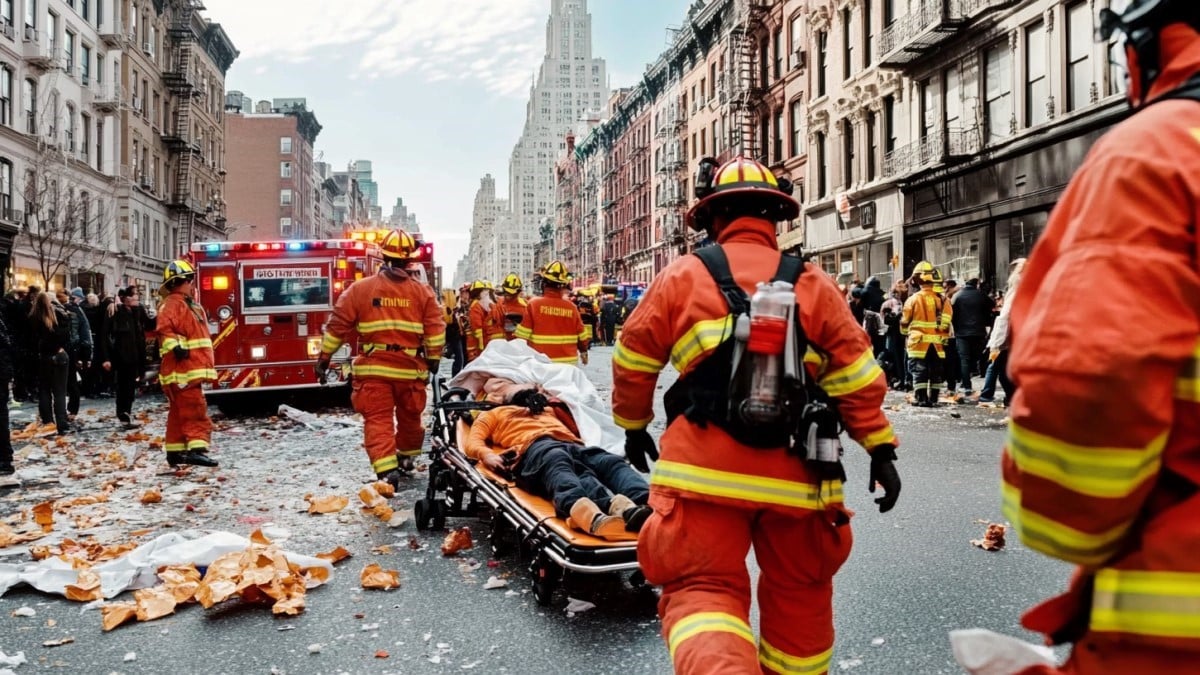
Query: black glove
{"x":639,"y":445}
{"x":181,"y":352}
{"x":533,"y":399}
{"x":433,"y":365}
{"x":883,"y":471}
{"x":321,"y":369}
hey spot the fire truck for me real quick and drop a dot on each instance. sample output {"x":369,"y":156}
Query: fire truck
{"x":268,"y":303}
{"x":423,"y":255}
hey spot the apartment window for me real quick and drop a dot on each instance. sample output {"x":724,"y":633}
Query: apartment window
{"x":285,"y":197}
{"x":847,"y":46}
{"x":716,"y":139}
{"x":30,"y":15}
{"x":712,"y":81}
{"x":6,"y":171}
{"x":928,"y":109}
{"x":285,"y":169}
{"x":69,"y":52}
{"x":822,"y":61}
{"x":703,"y":142}
{"x":85,"y":213}
{"x":868,"y":54}
{"x":778,"y":54}
{"x":796,"y":34}
{"x":1079,"y":50}
{"x":694,"y":146}
{"x":889,"y":12}
{"x":285,"y":145}
{"x":85,"y":138}
{"x":777,"y":144}
{"x":85,"y":63}
{"x":84,"y":9}
{"x":6,"y":83}
{"x":889,"y":124}
{"x":848,"y":152}
{"x":99,"y":142}
{"x":70,"y":135}
{"x":1118,"y":75}
{"x":1037,"y":84}
{"x":822,"y":169}
{"x":998,"y":91}
{"x":285,"y":227}
{"x":872,"y":145}
{"x":51,"y":31}
{"x":6,"y":12}
{"x":797,"y":127}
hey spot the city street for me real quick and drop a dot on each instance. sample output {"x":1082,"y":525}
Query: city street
{"x":913,"y":575}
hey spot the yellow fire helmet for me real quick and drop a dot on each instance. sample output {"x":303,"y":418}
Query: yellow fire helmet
{"x":398,"y":244}
{"x":478,"y":286}
{"x":740,"y":177}
{"x":512,"y":284}
{"x":556,"y":273}
{"x":936,"y":277}
{"x":178,"y":269}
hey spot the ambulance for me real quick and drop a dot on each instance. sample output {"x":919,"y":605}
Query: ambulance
{"x":268,"y":303}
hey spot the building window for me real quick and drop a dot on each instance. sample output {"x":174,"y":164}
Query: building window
{"x":822,"y":168}
{"x":848,"y":151}
{"x":6,"y":12}
{"x":6,"y":83}
{"x":777,"y":146}
{"x":928,"y":109}
{"x":952,"y":97}
{"x":998,"y":91}
{"x":30,"y":17}
{"x":84,"y":9}
{"x":85,"y":139}
{"x":889,"y":124}
{"x":6,"y":171}
{"x":1118,"y":75}
{"x":285,"y":197}
{"x":1079,"y":50}
{"x":872,"y":145}
{"x":70,"y":135}
{"x":889,"y":12}
{"x":285,"y":169}
{"x":796,"y":34}
{"x":847,"y":46}
{"x":797,"y":127}
{"x":29,"y":105}
{"x":69,"y":52}
{"x":1037,"y":84}
{"x":285,"y":227}
{"x":778,"y":54}
{"x":99,"y":143}
{"x":85,"y":64}
{"x":285,"y":145}
{"x":868,"y":54}
{"x":822,"y":61}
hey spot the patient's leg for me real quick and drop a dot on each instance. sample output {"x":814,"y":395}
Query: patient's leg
{"x":615,"y":473}
{"x":548,"y":469}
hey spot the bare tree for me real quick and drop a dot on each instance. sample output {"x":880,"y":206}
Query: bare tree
{"x":69,"y":223}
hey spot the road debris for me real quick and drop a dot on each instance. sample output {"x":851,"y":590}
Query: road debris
{"x":59,"y":642}
{"x":315,"y":648}
{"x":151,"y":496}
{"x":24,"y":611}
{"x":130,"y":656}
{"x":12,"y":661}
{"x":456,"y":541}
{"x":326,"y":504}
{"x":375,"y":577}
{"x":993,"y":538}
{"x":577,"y":606}
{"x":494,"y":582}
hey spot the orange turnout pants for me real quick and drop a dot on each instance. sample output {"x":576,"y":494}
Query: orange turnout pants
{"x":188,"y":425}
{"x":391,"y":411}
{"x":697,"y":551}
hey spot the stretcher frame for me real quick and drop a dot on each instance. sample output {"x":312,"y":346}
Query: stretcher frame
{"x":459,"y":488}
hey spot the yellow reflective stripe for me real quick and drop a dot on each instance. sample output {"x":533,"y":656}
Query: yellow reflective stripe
{"x":330,"y":344}
{"x":197,"y":444}
{"x":707,"y":622}
{"x":552,"y":339}
{"x":876,"y":438}
{"x":1187,"y":385}
{"x":387,"y":372}
{"x":167,"y":345}
{"x":585,"y":334}
{"x":390,"y":324}
{"x":198,"y":343}
{"x":747,"y":487}
{"x":438,"y":340}
{"x":852,"y":378}
{"x":565,"y":359}
{"x":631,"y":425}
{"x":369,"y":347}
{"x":1097,"y":472}
{"x":522,"y":332}
{"x":386,"y":464}
{"x":1165,"y":604}
{"x":703,"y":337}
{"x":1054,"y":539}
{"x":188,"y":376}
{"x":782,"y":662}
{"x":631,"y":360}
{"x":409,"y":453}
{"x":174,"y":447}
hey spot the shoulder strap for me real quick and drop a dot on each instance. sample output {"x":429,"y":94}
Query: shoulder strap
{"x":717,"y":264}
{"x":790,"y":269}
{"x":1188,"y":91}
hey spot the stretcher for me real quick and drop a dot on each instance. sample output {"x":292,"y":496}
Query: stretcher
{"x":459,"y":487}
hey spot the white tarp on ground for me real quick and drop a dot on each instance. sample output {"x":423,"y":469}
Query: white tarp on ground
{"x":137,"y":568}
{"x":517,"y":361}
{"x":983,"y":652}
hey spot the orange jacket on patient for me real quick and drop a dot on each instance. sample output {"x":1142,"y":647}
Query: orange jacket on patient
{"x":513,"y":427}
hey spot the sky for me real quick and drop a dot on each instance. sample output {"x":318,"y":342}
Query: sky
{"x":433,"y":92}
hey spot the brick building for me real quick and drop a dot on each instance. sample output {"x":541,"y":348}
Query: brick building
{"x":568,"y":232}
{"x":270,"y":192}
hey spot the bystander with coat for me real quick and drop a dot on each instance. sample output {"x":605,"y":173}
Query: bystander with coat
{"x":80,"y":347}
{"x":50,"y":329}
{"x":122,"y":349}
{"x":972,"y":314}
{"x":8,"y":356}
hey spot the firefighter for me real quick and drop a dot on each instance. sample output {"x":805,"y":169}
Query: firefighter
{"x":926,"y":323}
{"x":1102,"y":462}
{"x":723,"y":485}
{"x":552,"y":324}
{"x":482,"y":319}
{"x":510,"y":309}
{"x":398,"y":324}
{"x":185,"y":345}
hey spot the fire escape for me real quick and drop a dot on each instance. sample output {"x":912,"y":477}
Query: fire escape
{"x":179,"y":138}
{"x":745,"y":89}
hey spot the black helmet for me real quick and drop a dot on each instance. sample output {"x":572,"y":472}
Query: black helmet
{"x":1141,"y":22}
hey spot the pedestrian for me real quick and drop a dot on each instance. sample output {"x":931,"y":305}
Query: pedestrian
{"x":81,"y":348}
{"x":610,"y":313}
{"x":122,"y":350}
{"x":999,"y":342}
{"x":50,"y":326}
{"x":510,"y":308}
{"x":95,"y":318}
{"x":105,"y":378}
{"x":721,"y":487}
{"x":8,"y":356}
{"x":892,"y":311}
{"x":185,"y":345}
{"x":552,"y":324}
{"x":454,"y":342}
{"x":400,"y":343}
{"x":950,"y":365}
{"x":926,"y":323}
{"x":1101,"y":464}
{"x":25,"y":375}
{"x":972,"y":313}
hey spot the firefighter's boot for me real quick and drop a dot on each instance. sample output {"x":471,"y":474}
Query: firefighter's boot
{"x":586,"y":516}
{"x":920,"y":398}
{"x":633,"y":515}
{"x":934,"y":397}
{"x":190,"y":457}
{"x":407,"y":464}
{"x":391,"y":476}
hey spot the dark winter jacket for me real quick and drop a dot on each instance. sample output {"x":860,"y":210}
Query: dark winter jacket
{"x":95,"y":318}
{"x":50,"y":341}
{"x":82,"y":346}
{"x":123,"y":335}
{"x":873,"y":296}
{"x":8,"y":353}
{"x":972,"y":312}
{"x":610,"y":312}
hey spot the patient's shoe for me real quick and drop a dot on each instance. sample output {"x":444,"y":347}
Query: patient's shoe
{"x":586,"y":516}
{"x":634,"y":516}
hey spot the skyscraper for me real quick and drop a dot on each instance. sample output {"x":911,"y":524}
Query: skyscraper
{"x":569,"y":84}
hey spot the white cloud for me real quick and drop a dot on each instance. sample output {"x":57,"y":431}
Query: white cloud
{"x":496,"y":43}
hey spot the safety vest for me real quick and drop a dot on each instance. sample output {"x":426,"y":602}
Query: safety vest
{"x":926,"y":321}
{"x":552,"y":326}
{"x":181,"y":322}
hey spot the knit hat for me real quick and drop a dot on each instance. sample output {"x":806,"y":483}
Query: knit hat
{"x":77,"y":292}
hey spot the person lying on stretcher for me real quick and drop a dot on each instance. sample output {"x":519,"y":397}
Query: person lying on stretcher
{"x":596,"y":491}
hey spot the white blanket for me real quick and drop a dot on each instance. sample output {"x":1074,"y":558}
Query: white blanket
{"x":517,"y":361}
{"x":138,"y":568}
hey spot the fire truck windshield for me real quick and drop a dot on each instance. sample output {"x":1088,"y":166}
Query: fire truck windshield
{"x":288,"y":288}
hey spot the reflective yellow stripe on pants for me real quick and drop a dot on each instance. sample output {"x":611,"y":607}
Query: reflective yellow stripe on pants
{"x":1164,"y":604}
{"x":782,"y":662}
{"x":707,"y":622}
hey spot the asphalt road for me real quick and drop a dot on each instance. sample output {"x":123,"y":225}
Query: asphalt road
{"x":913,"y":575}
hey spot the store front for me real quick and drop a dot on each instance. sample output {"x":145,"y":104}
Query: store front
{"x":857,"y":247}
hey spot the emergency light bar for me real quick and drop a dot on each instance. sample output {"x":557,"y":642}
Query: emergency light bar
{"x":216,"y":248}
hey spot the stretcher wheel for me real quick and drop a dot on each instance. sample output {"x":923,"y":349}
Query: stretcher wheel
{"x":546,"y":579}
{"x":500,"y":538}
{"x":422,"y":513}
{"x":438,"y":516}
